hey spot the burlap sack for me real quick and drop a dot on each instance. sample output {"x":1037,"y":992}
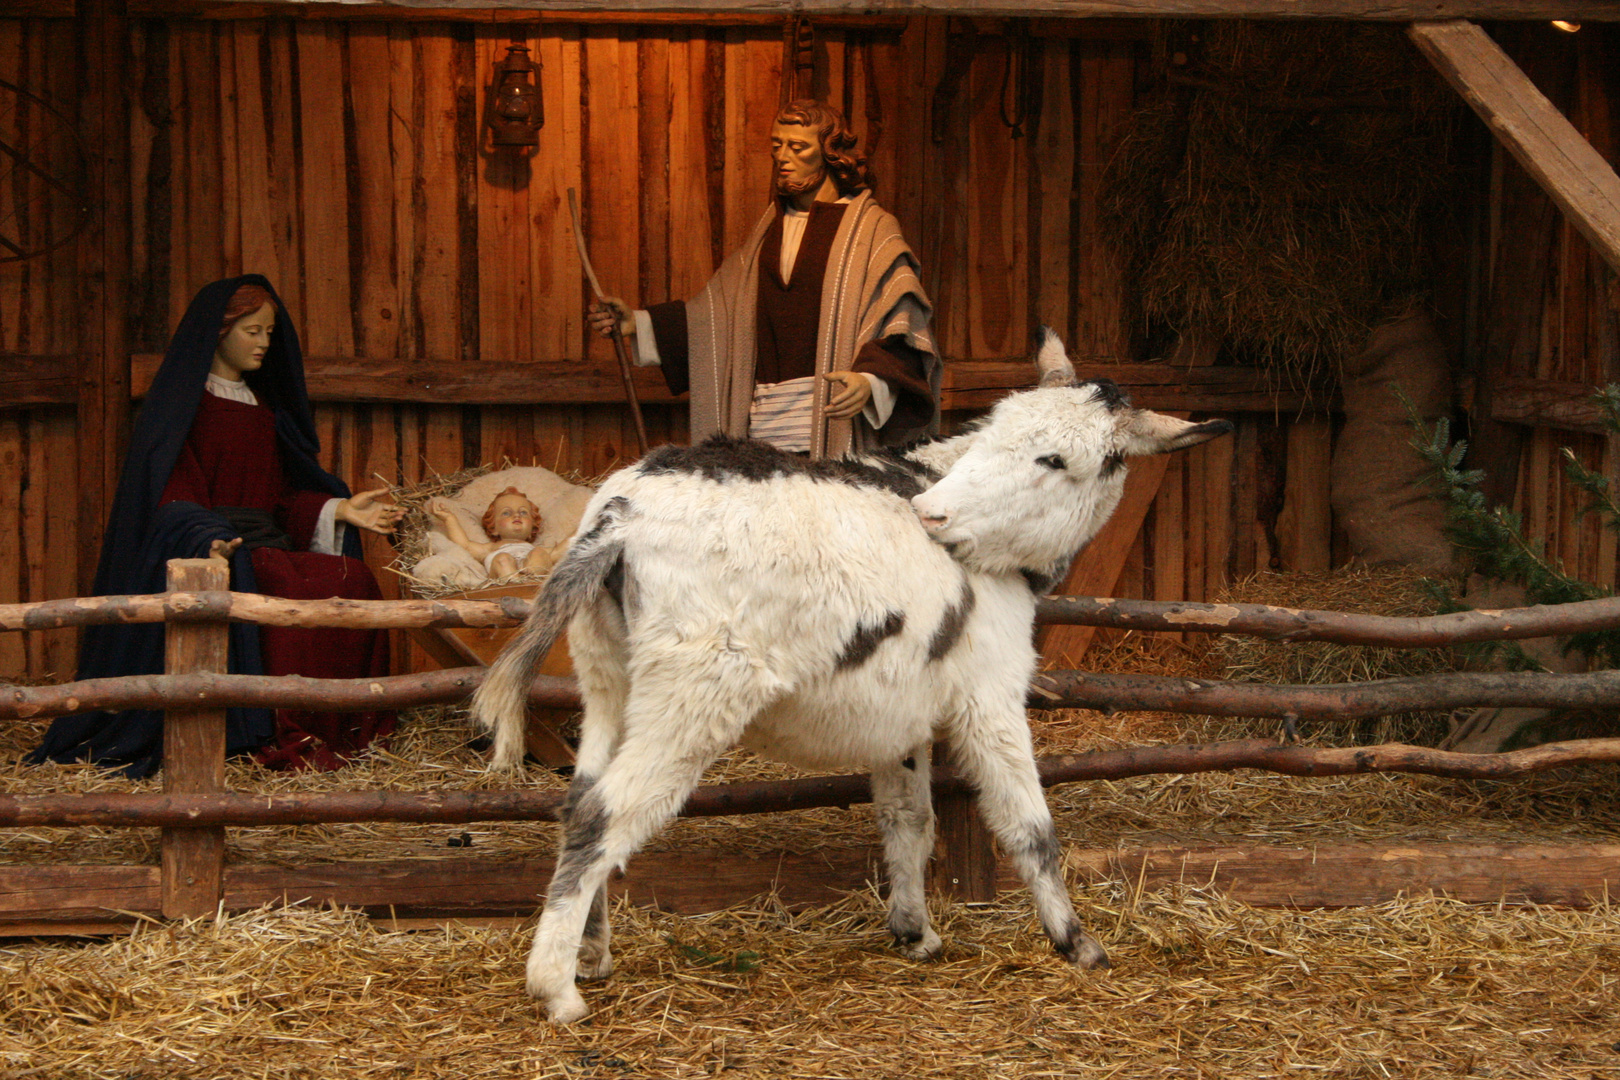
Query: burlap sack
{"x":1379,"y":494}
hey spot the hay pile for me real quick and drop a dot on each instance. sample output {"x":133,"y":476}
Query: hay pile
{"x":1283,"y":192}
{"x":1202,"y":987}
{"x":1371,"y":590}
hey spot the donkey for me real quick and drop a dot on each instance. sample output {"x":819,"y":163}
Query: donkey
{"x":836,"y":614}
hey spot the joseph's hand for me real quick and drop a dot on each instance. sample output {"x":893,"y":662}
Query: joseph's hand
{"x":603,"y":314}
{"x":851,"y":392}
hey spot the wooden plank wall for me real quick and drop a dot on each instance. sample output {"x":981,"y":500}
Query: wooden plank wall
{"x":346,"y":160}
{"x":1580,"y":340}
{"x":38,"y":316}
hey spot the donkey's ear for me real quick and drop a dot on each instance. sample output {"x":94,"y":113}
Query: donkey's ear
{"x":1142,"y":431}
{"x":1052,"y":361}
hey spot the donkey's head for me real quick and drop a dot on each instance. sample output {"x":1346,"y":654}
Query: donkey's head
{"x":1042,"y":473}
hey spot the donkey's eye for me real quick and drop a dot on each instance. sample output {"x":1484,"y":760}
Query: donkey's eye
{"x":1052,"y":461}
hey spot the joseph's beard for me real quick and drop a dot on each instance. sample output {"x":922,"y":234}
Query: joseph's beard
{"x":784,"y":186}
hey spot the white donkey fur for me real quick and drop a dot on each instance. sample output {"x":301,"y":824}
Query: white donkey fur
{"x":836,"y":615}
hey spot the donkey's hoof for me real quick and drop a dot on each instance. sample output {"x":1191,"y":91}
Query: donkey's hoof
{"x":926,"y":947}
{"x":594,"y":968}
{"x":1084,"y":952}
{"x":567,"y":1008}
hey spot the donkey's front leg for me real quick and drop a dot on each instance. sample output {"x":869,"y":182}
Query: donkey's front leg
{"x":904,"y":808}
{"x":992,"y":747}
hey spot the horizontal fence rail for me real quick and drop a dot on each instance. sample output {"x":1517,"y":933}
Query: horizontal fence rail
{"x":1049,"y":690}
{"x":1252,"y":620}
{"x":463,"y":807}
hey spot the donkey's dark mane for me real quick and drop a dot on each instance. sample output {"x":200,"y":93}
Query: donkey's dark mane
{"x":725,"y":459}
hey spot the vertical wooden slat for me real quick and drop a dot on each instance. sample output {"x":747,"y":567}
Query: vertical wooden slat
{"x":373,"y":190}
{"x":61,"y":470}
{"x":438,"y":221}
{"x":1244,"y":513}
{"x":1217,"y":495}
{"x":199,"y":218}
{"x":654,"y":57}
{"x":753,"y":76}
{"x":1305,"y":524}
{"x":256,"y":220}
{"x":36,"y":497}
{"x":1052,"y":172}
{"x":279,"y":71}
{"x":13,"y":460}
{"x":1196,"y":548}
{"x":11,"y":274}
{"x":947,"y":223}
{"x":690,"y":227}
{"x":557,"y":330}
{"x":611,"y":206}
{"x":230,"y":179}
{"x":324,"y":170}
{"x":1169,"y":536}
{"x":103,"y":264}
{"x":996,"y":299}
{"x":194,"y":751}
{"x":964,"y":866}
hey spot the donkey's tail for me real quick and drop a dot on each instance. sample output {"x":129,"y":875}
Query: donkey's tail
{"x":501,"y":704}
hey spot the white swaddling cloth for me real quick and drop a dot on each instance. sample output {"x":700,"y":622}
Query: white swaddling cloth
{"x":518,"y":549}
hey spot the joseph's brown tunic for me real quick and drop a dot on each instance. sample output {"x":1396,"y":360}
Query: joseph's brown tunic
{"x":787,"y":317}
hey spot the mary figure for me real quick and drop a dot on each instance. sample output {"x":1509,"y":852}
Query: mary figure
{"x":222,"y":462}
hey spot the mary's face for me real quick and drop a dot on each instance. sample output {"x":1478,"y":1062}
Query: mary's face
{"x":243,"y":347}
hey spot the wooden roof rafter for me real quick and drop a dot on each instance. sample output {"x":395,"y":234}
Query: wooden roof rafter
{"x":775,"y":10}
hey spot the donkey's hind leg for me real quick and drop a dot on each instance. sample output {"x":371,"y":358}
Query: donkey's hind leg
{"x":601,"y":663}
{"x":669,"y":739}
{"x":902,"y":802}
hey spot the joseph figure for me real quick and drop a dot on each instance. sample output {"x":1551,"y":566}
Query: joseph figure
{"x":813,"y":335}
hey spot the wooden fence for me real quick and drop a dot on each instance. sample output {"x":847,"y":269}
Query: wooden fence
{"x":193,"y":810}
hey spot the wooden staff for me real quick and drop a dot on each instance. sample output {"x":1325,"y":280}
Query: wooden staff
{"x":618,"y":339}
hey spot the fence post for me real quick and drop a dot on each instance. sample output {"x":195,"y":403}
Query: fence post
{"x":193,"y":876}
{"x":964,"y":852}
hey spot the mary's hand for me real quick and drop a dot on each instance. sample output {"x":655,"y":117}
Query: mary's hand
{"x":223,"y":549}
{"x":365,"y":512}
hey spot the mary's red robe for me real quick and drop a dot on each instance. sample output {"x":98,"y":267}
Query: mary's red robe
{"x":231,"y":460}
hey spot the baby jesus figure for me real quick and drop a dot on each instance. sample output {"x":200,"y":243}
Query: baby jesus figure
{"x":512,"y":522}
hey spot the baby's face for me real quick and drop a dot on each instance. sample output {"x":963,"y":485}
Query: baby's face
{"x":514,"y":520}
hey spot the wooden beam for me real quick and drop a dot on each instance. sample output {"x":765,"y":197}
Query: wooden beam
{"x":47,"y":899}
{"x":968,"y":384}
{"x":776,"y":10}
{"x":41,"y":9}
{"x":492,"y":14}
{"x":1354,"y":875}
{"x":38,"y":380}
{"x":1544,"y":403}
{"x":1577,"y":177}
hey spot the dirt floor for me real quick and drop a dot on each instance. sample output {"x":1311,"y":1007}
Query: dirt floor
{"x":1202,"y":985}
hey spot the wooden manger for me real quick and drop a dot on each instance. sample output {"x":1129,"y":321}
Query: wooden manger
{"x":193,"y":811}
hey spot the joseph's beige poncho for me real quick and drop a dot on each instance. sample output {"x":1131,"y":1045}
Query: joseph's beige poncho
{"x":871,"y":291}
